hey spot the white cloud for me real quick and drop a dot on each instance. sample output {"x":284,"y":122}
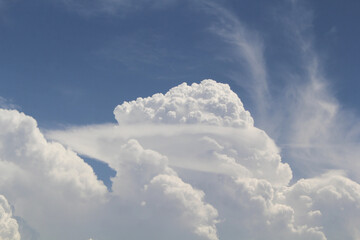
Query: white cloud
{"x":331,"y":201}
{"x":208,"y":103}
{"x":43,"y":178}
{"x":242,"y":152}
{"x":237,"y":167}
{"x":205,"y":127}
{"x":67,"y":188}
{"x":143,"y":177}
{"x":193,"y":210}
{"x":135,"y":168}
{"x":24,"y":148}
{"x":9,"y":228}
{"x":266,"y":217}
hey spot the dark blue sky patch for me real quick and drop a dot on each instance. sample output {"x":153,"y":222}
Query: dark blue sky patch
{"x":102,"y":171}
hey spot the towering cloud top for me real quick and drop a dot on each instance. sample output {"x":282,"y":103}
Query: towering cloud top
{"x":208,"y":103}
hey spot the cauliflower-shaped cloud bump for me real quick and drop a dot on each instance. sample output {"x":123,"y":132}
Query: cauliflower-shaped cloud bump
{"x":144,"y":173}
{"x":208,"y":103}
{"x":24,"y":148}
{"x":200,"y":215}
{"x":331,"y":201}
{"x":9,"y":228}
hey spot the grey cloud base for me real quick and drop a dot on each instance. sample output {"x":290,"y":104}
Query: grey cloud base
{"x":190,"y":165}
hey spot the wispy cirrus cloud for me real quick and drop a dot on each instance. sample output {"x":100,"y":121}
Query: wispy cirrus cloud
{"x":303,"y":114}
{"x":8,"y":104}
{"x":316,"y":125}
{"x":247,"y":50}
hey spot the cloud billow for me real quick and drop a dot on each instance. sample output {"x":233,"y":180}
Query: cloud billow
{"x":191,"y":165}
{"x":206,"y":103}
{"x":41,"y":178}
{"x":9,"y":228}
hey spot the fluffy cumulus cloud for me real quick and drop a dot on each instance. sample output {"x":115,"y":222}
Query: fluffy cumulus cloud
{"x":190,"y":164}
{"x":201,"y":127}
{"x":44,"y":179}
{"x":9,"y":228}
{"x":330,"y":202}
{"x":25,"y":150}
{"x":263,"y":215}
{"x":38,"y":176}
{"x":144,"y":176}
{"x":198,"y":215}
{"x":207,"y":103}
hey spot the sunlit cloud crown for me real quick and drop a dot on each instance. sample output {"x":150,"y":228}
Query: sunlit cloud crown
{"x":208,"y":103}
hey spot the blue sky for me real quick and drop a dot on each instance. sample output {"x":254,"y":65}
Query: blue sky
{"x":276,"y":138}
{"x":69,"y":64}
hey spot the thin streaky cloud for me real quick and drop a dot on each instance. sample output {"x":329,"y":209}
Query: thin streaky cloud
{"x":307,"y":114}
{"x":8,"y":104}
{"x":313,"y":119}
{"x":248,"y":51}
